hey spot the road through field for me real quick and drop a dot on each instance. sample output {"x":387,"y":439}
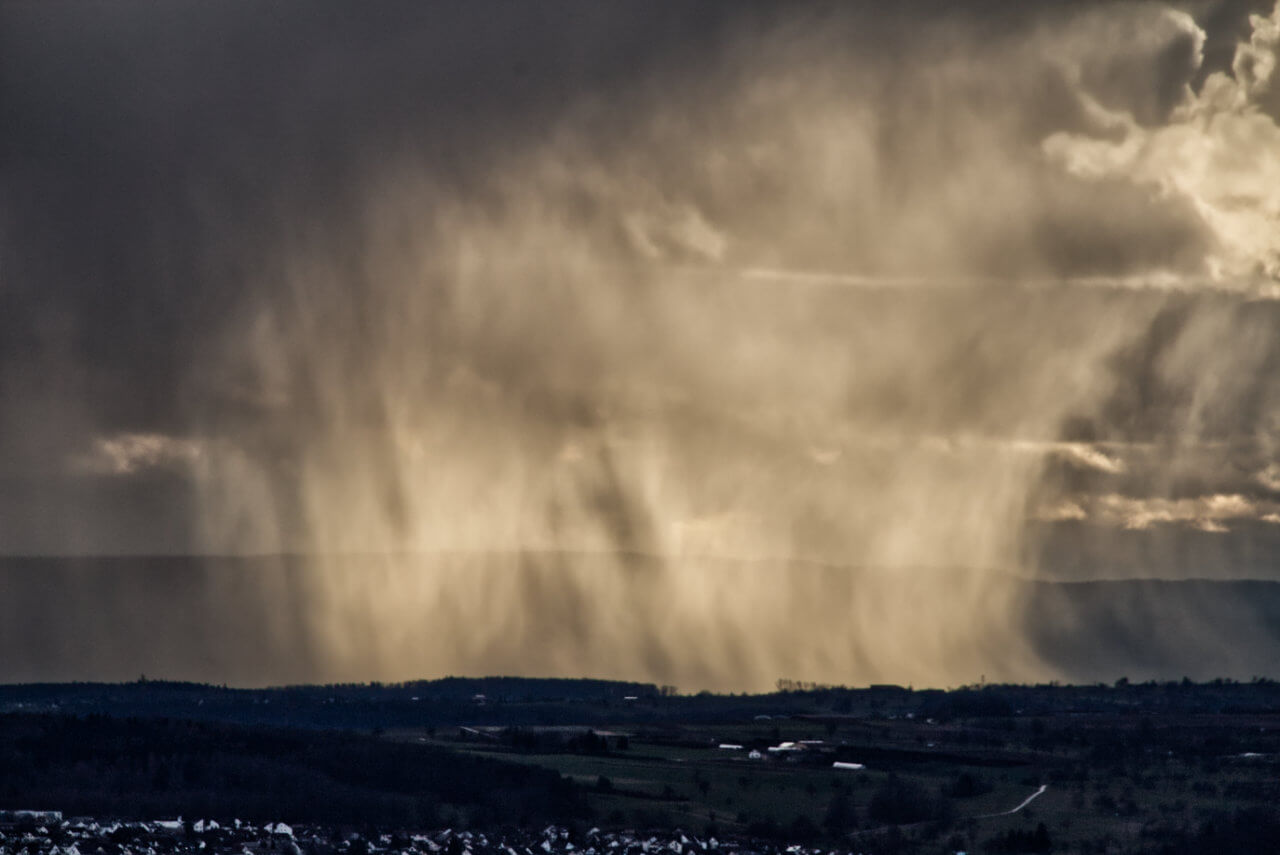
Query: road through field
{"x":1028,"y":800}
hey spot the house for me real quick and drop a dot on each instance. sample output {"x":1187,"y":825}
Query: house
{"x":786,"y":748}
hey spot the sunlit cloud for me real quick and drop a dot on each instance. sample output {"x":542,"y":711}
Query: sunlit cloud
{"x":131,"y":453}
{"x":1219,"y":152}
{"x":1270,"y":477}
{"x":1081,"y":454}
{"x":1062,"y":512}
{"x":679,"y":231}
{"x":1213,"y":513}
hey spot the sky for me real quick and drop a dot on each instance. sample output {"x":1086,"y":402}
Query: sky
{"x":948,"y":295}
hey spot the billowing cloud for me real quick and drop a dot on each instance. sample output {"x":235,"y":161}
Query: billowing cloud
{"x":1218,"y":151}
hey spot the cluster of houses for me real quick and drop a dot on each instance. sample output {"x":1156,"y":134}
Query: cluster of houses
{"x":48,"y":833}
{"x":44,"y":832}
{"x":809,"y":750}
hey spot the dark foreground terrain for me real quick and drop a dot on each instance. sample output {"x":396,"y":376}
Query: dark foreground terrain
{"x":462,"y":765}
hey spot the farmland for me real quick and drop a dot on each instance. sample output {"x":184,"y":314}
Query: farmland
{"x":1144,"y":768}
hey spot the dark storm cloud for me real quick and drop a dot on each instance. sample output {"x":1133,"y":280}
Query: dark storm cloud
{"x":141,"y":142}
{"x":153,"y":157}
{"x":136,"y":135}
{"x":150,"y":154}
{"x":841,"y":281}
